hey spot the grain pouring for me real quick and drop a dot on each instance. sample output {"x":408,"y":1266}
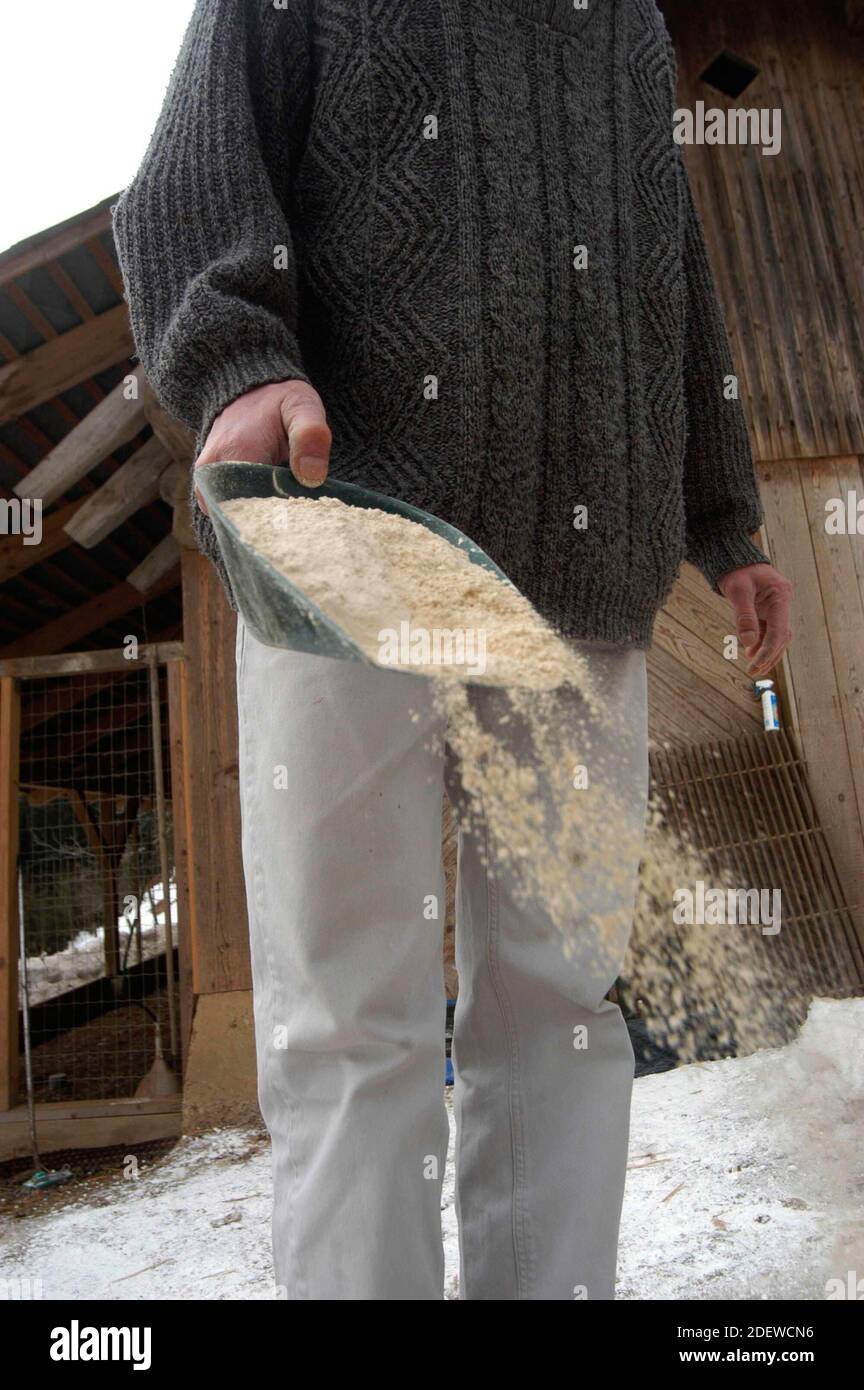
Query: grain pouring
{"x":412,"y":601}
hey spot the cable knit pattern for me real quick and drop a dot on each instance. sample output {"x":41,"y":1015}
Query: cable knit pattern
{"x":426,"y":286}
{"x":512,"y":268}
{"x":596,"y":447}
{"x":659,"y":292}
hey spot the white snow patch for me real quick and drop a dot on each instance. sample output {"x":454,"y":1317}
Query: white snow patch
{"x":746,"y":1176}
{"x":745,"y":1182}
{"x":83,"y":959}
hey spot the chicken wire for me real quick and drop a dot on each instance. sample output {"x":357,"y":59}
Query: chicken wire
{"x":91,"y":878}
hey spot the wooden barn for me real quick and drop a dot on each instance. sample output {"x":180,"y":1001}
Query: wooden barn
{"x":120,"y":859}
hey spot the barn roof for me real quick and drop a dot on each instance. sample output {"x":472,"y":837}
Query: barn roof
{"x":65,"y":345}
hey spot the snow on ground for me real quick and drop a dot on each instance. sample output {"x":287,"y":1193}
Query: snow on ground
{"x":83,"y":959}
{"x":746,"y":1176}
{"x":745,"y":1182}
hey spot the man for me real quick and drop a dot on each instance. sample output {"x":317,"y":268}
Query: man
{"x":447,"y":248}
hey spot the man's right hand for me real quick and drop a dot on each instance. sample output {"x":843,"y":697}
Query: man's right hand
{"x":284,"y":421}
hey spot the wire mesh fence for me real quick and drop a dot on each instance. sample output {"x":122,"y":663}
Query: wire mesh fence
{"x":97,"y":890}
{"x":745,"y":804}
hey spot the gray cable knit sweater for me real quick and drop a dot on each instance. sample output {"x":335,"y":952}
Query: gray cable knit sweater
{"x":388,"y":199}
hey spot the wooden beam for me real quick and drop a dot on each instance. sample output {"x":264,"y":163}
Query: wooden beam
{"x":184,"y":846}
{"x":83,"y":817}
{"x":82,"y":663}
{"x":10,"y":715}
{"x":31,"y":312}
{"x":38,"y":795}
{"x":221,"y":952}
{"x":107,"y":263}
{"x":182,"y":525}
{"x":16,"y":557}
{"x":134,"y":485}
{"x":96,"y":570}
{"x":174,"y":484}
{"x":46,"y":246}
{"x":161,"y":559}
{"x":71,"y":358}
{"x":90,"y":1124}
{"x":178,"y":439}
{"x":108,"y":837}
{"x":113,"y":422}
{"x":175,"y":487}
{"x":88,"y":617}
{"x":67,"y":287}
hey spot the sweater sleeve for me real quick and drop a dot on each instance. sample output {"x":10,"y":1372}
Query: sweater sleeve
{"x":721,"y":495}
{"x":202,"y":231}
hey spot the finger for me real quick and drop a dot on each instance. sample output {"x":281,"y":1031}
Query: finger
{"x":213,"y":452}
{"x":774,"y":602}
{"x":309,"y":435}
{"x":741,"y":595}
{"x":775,"y":640}
{"x":749,"y":631}
{"x":238,"y":441}
{"x":770,"y":652}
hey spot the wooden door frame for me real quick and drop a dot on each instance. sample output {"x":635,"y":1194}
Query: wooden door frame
{"x":13,"y":672}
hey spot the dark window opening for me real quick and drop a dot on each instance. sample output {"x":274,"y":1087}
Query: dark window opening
{"x":728,"y":74}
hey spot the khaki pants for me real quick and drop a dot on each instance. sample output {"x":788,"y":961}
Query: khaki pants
{"x":341,"y":789}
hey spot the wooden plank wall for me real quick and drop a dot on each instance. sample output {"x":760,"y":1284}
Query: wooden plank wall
{"x":786,"y":239}
{"x":220,"y":955}
{"x":181,"y":777}
{"x":786,"y":232}
{"x":826,"y":659}
{"x":695,"y":692}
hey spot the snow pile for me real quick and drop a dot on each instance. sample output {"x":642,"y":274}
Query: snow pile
{"x":745,"y":1182}
{"x":746,"y":1176}
{"x":83,"y":959}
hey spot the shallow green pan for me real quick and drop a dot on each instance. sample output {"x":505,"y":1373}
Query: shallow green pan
{"x":275,"y":610}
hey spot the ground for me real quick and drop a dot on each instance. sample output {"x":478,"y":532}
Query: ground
{"x":745,"y":1181}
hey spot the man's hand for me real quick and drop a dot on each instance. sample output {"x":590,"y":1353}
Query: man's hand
{"x":761,"y":598}
{"x":272,"y":424}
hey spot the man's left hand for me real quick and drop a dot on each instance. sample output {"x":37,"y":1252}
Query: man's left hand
{"x":761,"y":598}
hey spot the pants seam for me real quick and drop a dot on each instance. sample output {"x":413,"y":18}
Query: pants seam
{"x":517,"y":1145}
{"x":457,"y":1110}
